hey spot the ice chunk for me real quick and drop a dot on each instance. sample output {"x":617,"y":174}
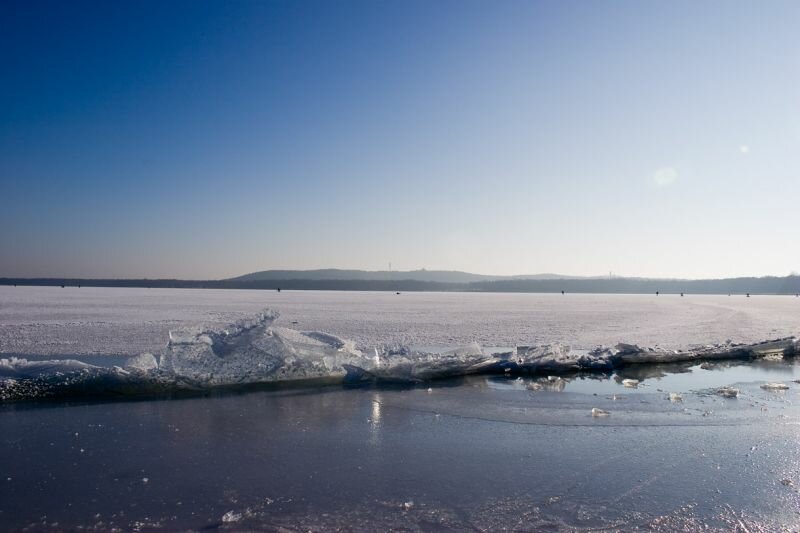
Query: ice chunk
{"x":775,"y":386}
{"x":630,"y":383}
{"x":633,"y":354}
{"x":549,"y":356}
{"x":327,"y":338}
{"x":188,"y":336}
{"x":599,"y":412}
{"x":559,"y":358}
{"x":674,"y":397}
{"x":254,"y":352}
{"x":143,"y":362}
{"x":728,"y":392}
{"x":624,"y":348}
{"x":23,"y":368}
{"x":400,"y":363}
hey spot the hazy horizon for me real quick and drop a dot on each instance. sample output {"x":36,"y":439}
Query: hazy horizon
{"x":209,"y":140}
{"x":556,"y":275}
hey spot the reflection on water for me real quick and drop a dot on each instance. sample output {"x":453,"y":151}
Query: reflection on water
{"x":375,"y":421}
{"x":550,"y":383}
{"x":676,"y":377}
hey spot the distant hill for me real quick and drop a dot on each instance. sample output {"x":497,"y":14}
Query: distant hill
{"x":437,"y":276}
{"x":766,"y":285}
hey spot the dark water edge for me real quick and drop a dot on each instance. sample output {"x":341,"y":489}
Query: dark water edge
{"x":472,"y":453}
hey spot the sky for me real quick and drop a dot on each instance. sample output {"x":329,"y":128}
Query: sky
{"x":206,"y":140}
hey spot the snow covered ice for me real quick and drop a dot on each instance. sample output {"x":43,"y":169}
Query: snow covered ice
{"x":60,"y":323}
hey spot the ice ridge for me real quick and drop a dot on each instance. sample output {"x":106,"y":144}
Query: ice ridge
{"x":255,"y":351}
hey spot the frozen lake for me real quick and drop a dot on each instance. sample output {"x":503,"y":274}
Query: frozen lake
{"x":474,"y":453}
{"x":107,"y":321}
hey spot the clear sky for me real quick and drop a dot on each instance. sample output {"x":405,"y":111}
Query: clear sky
{"x":210,"y":139}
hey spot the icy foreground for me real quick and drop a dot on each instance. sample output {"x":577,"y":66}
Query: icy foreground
{"x":254,"y":351}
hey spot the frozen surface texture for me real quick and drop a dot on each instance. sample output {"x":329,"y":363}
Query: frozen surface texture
{"x":125,"y":322}
{"x":254,"y":351}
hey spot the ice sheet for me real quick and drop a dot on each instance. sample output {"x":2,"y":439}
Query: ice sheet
{"x":51,"y":321}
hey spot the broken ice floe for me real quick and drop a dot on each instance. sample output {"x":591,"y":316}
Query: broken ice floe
{"x":775,"y":386}
{"x":630,"y":383}
{"x":255,"y":351}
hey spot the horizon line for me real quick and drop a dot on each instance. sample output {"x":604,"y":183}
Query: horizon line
{"x":557,"y":277}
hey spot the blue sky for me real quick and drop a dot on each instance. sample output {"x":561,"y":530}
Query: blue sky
{"x":211,"y":139}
